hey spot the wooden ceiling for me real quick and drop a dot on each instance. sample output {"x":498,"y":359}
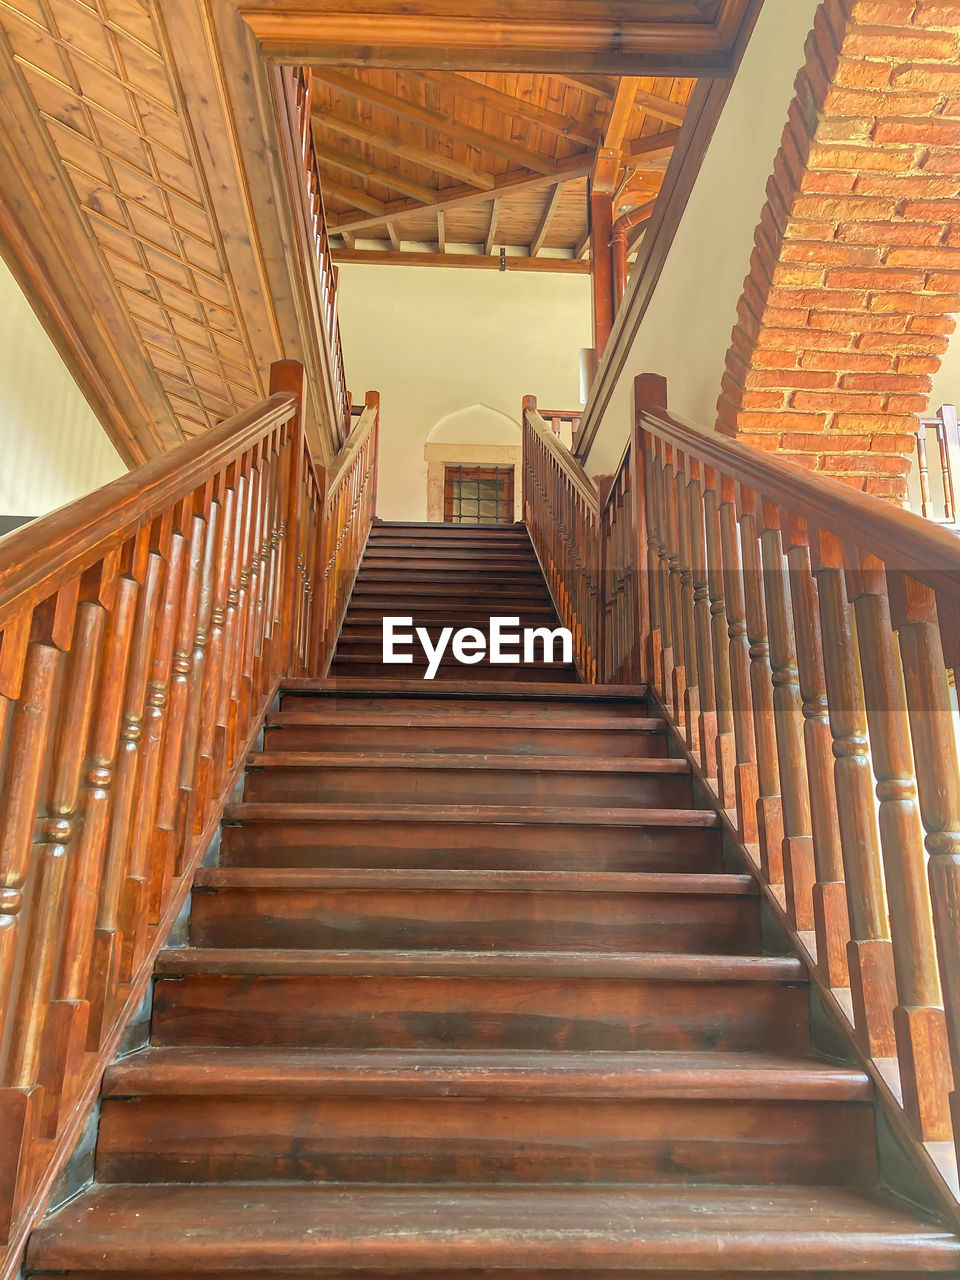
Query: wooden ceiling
{"x":448,"y":168}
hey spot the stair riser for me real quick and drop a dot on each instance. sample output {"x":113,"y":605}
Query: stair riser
{"x":452,"y":785}
{"x":497,"y":1140}
{"x":401,"y":559}
{"x":405,"y":572}
{"x":470,"y":846}
{"x":415,"y":919}
{"x":561,"y":706}
{"x":480,"y":1013}
{"x":375,"y":670}
{"x":535,"y":742}
{"x":420,"y":1274}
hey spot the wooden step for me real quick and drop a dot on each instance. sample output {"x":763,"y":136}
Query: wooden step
{"x":522,"y":570}
{"x":232,"y":1114}
{"x":454,"y":558}
{"x":547,"y":702}
{"x":459,"y":778}
{"x":442,"y":732}
{"x":266,"y":1229}
{"x":606,"y":697}
{"x":474,"y":910}
{"x":493,"y":838}
{"x":479,"y":1000}
{"x":369,"y":666}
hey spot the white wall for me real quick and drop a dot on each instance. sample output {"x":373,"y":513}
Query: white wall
{"x":52,"y":447}
{"x":946,"y":382}
{"x":435,"y":340}
{"x":686,"y":331}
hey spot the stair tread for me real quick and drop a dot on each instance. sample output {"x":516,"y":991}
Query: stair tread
{"x":471,"y":881}
{"x":361,"y":759}
{"x":506,"y":1072}
{"x":635,"y":965}
{"x":260,"y":1227}
{"x":430,"y":719}
{"x":554,"y":815}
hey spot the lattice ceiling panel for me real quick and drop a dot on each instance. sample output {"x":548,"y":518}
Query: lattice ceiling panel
{"x":98,"y":78}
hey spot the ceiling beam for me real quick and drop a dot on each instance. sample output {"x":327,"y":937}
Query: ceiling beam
{"x":616,"y":38}
{"x":609,"y":158}
{"x":391,"y":258}
{"x":662,"y":108}
{"x":392,"y":232}
{"x":578,"y":166}
{"x":521,"y":108}
{"x":493,"y":224}
{"x":363,"y":92}
{"x":553,"y":200}
{"x":395,"y":145}
{"x":653,"y":146}
{"x":595,"y":87}
{"x":583,"y":244}
{"x":355,"y":196}
{"x":364,"y":169}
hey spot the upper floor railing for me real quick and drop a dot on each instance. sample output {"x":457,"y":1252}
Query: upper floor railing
{"x":937,"y":452}
{"x":801,"y":638}
{"x":143,"y":631}
{"x":293,"y":94}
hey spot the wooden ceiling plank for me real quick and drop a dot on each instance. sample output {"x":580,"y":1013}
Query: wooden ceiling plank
{"x":578,"y":166}
{"x":364,"y":169}
{"x":389,"y":257}
{"x":553,"y":200}
{"x":494,"y":223}
{"x":359,"y":89}
{"x":394,"y":145}
{"x":521,"y":108}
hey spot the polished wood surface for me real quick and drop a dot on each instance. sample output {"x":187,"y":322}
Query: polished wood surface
{"x":848,"y":794}
{"x":143,"y":631}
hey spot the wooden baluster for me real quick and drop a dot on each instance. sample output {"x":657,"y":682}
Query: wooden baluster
{"x":65,"y":1024}
{"x":726,"y":749}
{"x":691,"y":695}
{"x":924,"y":470}
{"x":654,"y":655}
{"x":678,"y":675}
{"x":869,"y":954}
{"x":747,"y":786}
{"x":703,"y":628}
{"x":949,"y":446}
{"x":769,"y":804}
{"x":189,"y":820}
{"x":163,"y":853}
{"x":43,"y":869}
{"x":223,"y":746}
{"x":318,"y":653}
{"x":89,"y":958}
{"x":797,"y":848}
{"x":918,"y":1019}
{"x":830,"y":923}
{"x":663,"y":575}
{"x":155,"y":727}
{"x":916,"y":618}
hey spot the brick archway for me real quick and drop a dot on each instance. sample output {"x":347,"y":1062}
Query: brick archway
{"x":855,"y":278}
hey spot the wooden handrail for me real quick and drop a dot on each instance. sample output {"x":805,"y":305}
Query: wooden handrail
{"x":562,"y":511}
{"x":803,"y":642}
{"x":143,"y":632}
{"x":800,"y":636}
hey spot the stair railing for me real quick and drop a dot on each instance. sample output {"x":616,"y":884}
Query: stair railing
{"x":143,"y":632}
{"x":561,"y":507}
{"x":800,"y":635}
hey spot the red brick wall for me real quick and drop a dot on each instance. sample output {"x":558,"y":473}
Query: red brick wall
{"x":855,"y":277}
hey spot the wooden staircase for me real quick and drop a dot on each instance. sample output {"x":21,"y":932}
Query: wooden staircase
{"x":446,"y":575}
{"x":474,"y":989}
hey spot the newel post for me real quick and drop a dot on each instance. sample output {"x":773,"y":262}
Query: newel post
{"x":372,"y":401}
{"x":286,"y":377}
{"x":649,"y":395}
{"x":529,"y":406}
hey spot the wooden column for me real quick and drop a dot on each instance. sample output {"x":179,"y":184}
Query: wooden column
{"x":601,"y":268}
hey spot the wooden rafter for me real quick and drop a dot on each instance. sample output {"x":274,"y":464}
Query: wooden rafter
{"x":443,"y":124}
{"x":493,"y":224}
{"x":654,"y":145}
{"x":441,"y":232}
{"x":582,"y":245}
{"x":355,"y":164}
{"x":609,"y":156}
{"x":478,"y":261}
{"x":395,"y":145}
{"x":392,"y":232}
{"x":578,"y":166}
{"x":355,"y":196}
{"x":553,"y":199}
{"x":662,"y":108}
